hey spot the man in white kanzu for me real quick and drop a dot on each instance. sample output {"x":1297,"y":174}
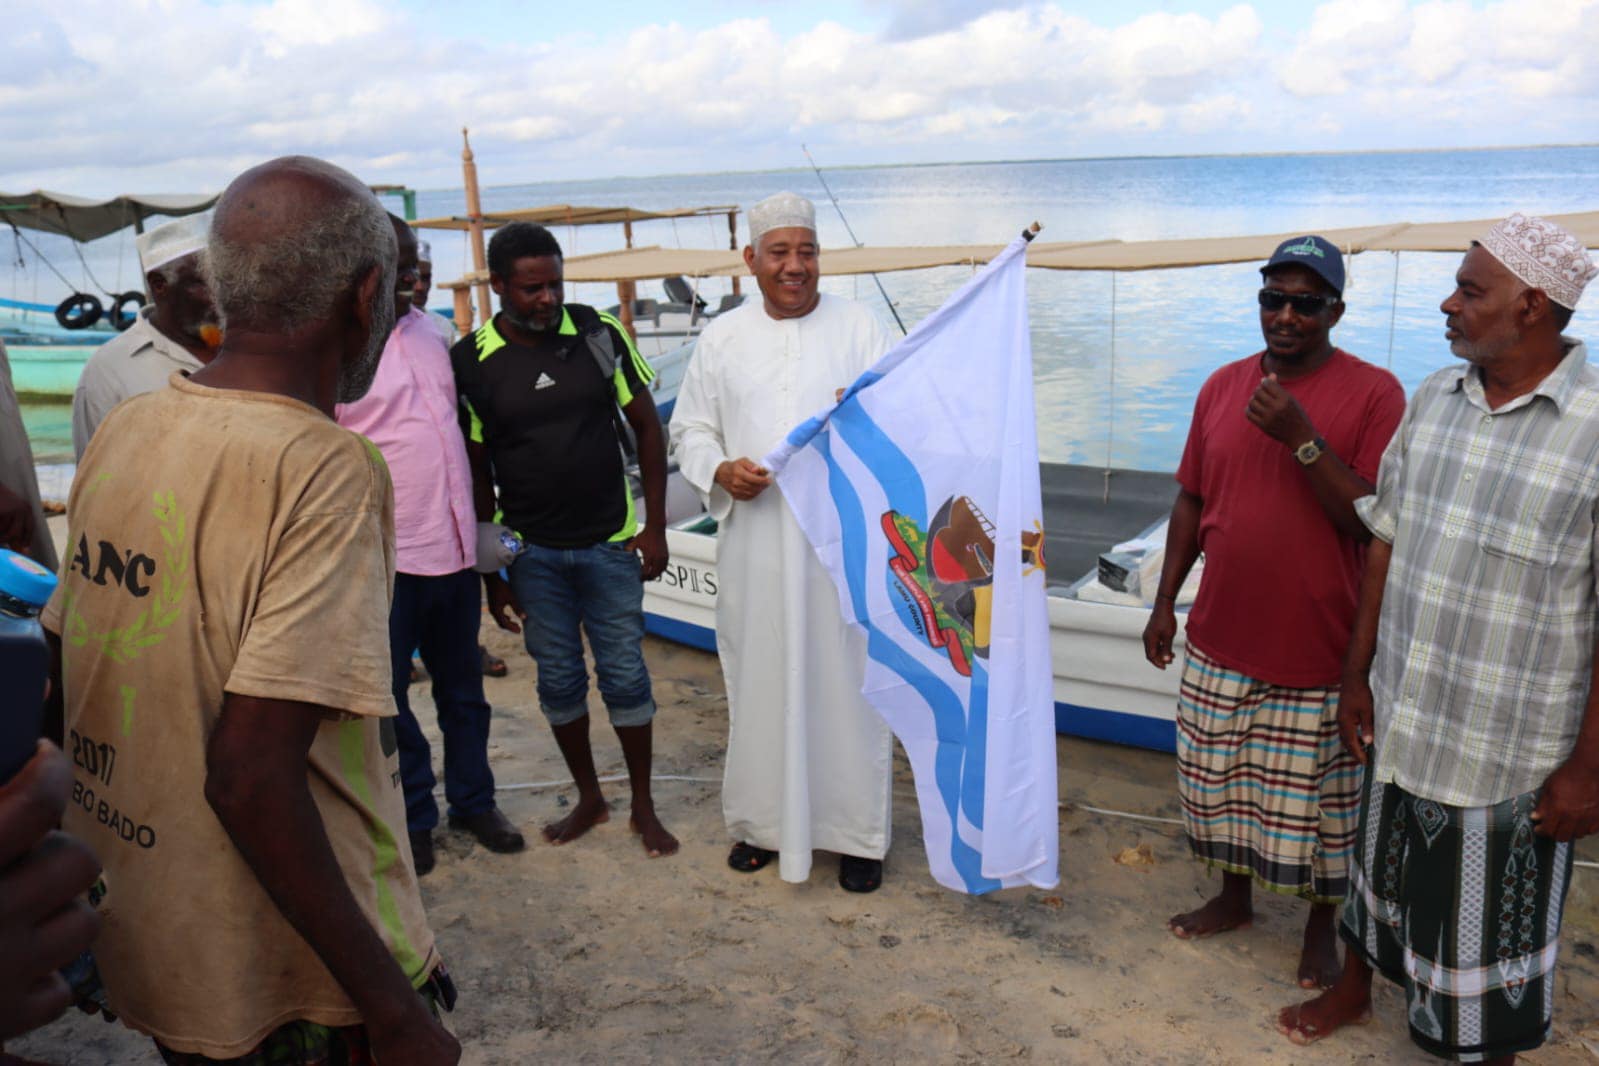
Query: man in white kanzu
{"x":808,"y":760}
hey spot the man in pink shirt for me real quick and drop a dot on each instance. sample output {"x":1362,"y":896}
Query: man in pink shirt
{"x":410,"y":414}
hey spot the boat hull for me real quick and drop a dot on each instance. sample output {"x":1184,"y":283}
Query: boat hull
{"x":47,"y":370}
{"x":680,"y":605}
{"x":1103,"y":687}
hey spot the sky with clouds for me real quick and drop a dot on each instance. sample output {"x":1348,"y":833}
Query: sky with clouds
{"x":109,"y":96}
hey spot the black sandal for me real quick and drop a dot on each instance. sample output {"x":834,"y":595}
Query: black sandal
{"x":859,"y":875}
{"x":747,"y":858}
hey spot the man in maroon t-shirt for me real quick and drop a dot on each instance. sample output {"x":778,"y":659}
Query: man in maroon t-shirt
{"x":1281,"y":445}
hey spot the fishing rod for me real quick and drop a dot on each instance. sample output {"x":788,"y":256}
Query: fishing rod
{"x":851,"y":231}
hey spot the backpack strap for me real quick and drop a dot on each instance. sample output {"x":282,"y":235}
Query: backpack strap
{"x":597,"y":338}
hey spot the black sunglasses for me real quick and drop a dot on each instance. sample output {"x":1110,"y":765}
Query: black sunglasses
{"x":1302,"y":303}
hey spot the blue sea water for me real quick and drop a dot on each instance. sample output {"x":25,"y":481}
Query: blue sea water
{"x":1116,"y":377}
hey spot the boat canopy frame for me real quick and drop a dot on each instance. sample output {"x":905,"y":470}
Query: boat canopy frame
{"x":652,"y":261}
{"x":84,"y":219}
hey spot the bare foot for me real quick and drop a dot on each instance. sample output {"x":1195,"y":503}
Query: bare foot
{"x":657,"y":841}
{"x":1307,"y":1022}
{"x":587,"y":815}
{"x":1318,"y":958}
{"x":1220,"y":915}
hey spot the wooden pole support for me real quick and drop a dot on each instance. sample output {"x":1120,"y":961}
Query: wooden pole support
{"x":626,"y":291}
{"x":463,"y":310}
{"x":474,"y":224}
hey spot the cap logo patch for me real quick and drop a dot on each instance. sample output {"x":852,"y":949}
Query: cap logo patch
{"x":1304,"y":247}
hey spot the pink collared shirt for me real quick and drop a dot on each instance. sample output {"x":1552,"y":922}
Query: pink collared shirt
{"x":410,"y":414}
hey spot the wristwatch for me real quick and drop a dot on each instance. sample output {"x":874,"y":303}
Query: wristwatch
{"x":1310,"y":451}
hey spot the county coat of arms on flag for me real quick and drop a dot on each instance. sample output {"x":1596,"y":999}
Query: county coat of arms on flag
{"x":920,"y":493}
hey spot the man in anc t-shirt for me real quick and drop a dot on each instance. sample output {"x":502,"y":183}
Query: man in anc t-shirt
{"x":1282,"y":444}
{"x":222,"y":623}
{"x":541,"y":384}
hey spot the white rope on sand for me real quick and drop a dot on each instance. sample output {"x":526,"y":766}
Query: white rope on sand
{"x":1178,"y":821}
{"x":1123,"y":814}
{"x":609,"y":779}
{"x":534,"y":786}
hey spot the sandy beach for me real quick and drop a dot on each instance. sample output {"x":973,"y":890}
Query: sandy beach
{"x":595,"y":953}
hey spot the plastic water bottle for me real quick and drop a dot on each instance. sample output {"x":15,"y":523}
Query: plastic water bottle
{"x":25,"y":588}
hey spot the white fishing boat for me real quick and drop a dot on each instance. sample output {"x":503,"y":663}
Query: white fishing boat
{"x":1104,"y":688}
{"x":48,"y":344}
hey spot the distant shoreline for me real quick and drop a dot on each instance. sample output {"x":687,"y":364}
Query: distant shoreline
{"x":951,"y":163}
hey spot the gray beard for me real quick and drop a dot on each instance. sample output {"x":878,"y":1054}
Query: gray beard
{"x":356,"y":376}
{"x":526,"y":325}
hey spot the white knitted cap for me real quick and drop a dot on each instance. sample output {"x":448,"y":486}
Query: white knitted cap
{"x":780,"y":212}
{"x":172,"y":240}
{"x":1543,"y":255}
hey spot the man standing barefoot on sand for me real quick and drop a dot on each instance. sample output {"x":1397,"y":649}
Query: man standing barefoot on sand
{"x":1281,"y":445}
{"x":541,"y":416}
{"x":1472,"y":667}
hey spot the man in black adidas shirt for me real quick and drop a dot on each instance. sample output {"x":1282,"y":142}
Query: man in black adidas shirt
{"x":541,"y":384}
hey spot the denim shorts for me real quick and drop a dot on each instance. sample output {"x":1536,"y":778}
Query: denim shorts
{"x":569,"y":593}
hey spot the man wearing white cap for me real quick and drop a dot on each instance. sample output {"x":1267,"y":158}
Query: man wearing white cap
{"x":808,"y":760}
{"x":1469,"y":688}
{"x":424,"y":285}
{"x":176,"y":331}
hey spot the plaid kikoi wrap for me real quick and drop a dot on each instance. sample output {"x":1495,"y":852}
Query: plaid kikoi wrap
{"x":1266,"y":786}
{"x":1461,"y":906}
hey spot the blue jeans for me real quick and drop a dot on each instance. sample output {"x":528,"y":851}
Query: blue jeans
{"x":439,"y":616}
{"x":595,"y":589}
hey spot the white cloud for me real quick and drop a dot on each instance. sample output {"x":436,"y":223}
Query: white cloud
{"x":1345,"y":37}
{"x":919,"y":18}
{"x":114,"y":96}
{"x":1450,"y":58}
{"x":290,"y":24}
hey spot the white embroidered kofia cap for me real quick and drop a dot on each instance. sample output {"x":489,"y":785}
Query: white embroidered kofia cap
{"x":1543,"y":255}
{"x":172,"y":240}
{"x":780,"y":212}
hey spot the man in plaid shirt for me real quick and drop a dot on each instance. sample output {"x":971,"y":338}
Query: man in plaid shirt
{"x":1468,"y":691}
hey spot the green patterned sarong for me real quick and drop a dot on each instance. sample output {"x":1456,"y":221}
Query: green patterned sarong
{"x":1461,"y":906}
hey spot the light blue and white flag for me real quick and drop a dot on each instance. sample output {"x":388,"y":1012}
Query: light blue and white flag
{"x":919,"y":491}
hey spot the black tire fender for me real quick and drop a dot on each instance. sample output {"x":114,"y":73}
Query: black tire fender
{"x":79,"y":311}
{"x":120,"y":315}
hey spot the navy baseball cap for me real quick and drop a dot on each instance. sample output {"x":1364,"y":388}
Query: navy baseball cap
{"x":1316,"y":254}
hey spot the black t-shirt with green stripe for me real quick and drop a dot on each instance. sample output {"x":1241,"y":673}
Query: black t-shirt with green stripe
{"x":548,"y":420}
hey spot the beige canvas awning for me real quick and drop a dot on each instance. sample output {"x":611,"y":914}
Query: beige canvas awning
{"x":644,"y":264}
{"x":1207,"y":251}
{"x":640,"y":264}
{"x":85,"y":219}
{"x":569,"y":215}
